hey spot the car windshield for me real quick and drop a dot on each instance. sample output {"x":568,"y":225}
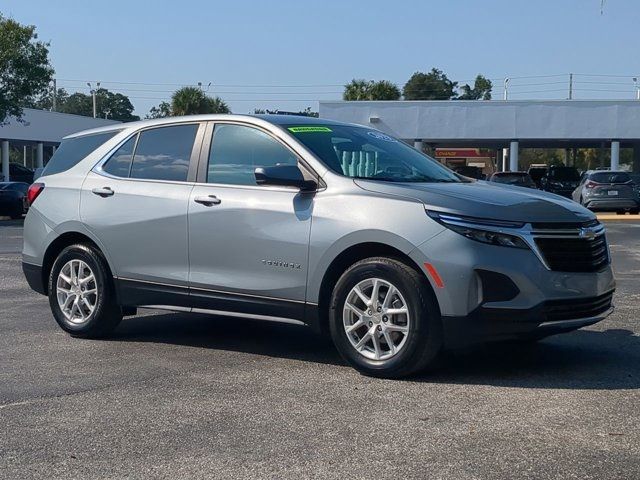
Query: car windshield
{"x":611,"y":177}
{"x":359,"y":152}
{"x":513,"y":179}
{"x":568,"y":173}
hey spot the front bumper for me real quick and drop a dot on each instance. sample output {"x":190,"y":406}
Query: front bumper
{"x":547,"y":318}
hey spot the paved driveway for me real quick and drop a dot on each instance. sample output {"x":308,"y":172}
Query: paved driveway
{"x":188,"y":396}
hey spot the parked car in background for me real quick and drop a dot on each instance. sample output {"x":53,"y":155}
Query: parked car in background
{"x":537,"y":171}
{"x":308,"y":222}
{"x":18,"y":173}
{"x":607,"y":191}
{"x":560,"y":180}
{"x":470,"y":172}
{"x":13,"y":199}
{"x":635,"y":178}
{"x":518,"y":179}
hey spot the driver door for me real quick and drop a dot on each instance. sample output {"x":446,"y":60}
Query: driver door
{"x":248,"y":244}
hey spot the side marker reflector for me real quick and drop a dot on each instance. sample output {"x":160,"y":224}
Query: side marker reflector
{"x":435,"y":276}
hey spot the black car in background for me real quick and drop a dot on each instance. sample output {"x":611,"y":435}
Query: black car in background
{"x":560,"y":180}
{"x":470,"y":172}
{"x":536,"y":172}
{"x":635,"y":178}
{"x":519,"y":179}
{"x":18,"y":173}
{"x":13,"y":199}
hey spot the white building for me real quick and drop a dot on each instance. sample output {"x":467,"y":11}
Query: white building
{"x":501,"y":124}
{"x":43,"y":130}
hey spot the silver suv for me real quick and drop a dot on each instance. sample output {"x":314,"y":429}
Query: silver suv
{"x":338,"y":227}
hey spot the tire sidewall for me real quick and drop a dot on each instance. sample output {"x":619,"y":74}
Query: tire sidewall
{"x":87,"y":255}
{"x":424,"y":317}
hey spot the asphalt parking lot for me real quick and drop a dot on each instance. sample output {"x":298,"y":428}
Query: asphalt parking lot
{"x":189,"y":396}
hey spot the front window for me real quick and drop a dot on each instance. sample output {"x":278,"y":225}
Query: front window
{"x":359,"y":152}
{"x":236,"y":151}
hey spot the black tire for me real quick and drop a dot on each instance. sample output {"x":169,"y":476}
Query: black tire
{"x":16,"y":216}
{"x":106,"y":314}
{"x":424,"y":340}
{"x":634,"y":211}
{"x":620,"y":212}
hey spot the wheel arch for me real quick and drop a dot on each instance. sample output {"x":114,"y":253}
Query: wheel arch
{"x":343,"y":261}
{"x":60,"y":243}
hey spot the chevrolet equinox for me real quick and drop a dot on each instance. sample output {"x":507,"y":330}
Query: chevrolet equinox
{"x":338,"y":227}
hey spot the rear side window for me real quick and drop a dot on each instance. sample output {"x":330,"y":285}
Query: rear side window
{"x":120,"y":162}
{"x":72,"y":150}
{"x":164,"y":153}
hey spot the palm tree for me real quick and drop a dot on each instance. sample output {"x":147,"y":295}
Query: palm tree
{"x":384,"y":90}
{"x":370,"y":90}
{"x":357,"y":90}
{"x":217,"y":105}
{"x":193,"y":101}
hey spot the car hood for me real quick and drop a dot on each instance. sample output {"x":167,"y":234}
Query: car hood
{"x":486,"y":200}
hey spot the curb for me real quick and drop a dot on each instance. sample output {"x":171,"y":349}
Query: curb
{"x":621,"y":218}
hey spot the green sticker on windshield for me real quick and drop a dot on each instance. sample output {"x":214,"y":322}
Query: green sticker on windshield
{"x":308,"y":129}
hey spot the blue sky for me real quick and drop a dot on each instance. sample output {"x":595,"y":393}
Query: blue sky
{"x":288,"y":54}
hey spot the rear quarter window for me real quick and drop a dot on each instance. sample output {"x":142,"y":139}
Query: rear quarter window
{"x":72,"y":150}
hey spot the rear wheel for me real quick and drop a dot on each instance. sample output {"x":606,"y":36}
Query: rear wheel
{"x":81,"y":293}
{"x":634,"y":211}
{"x":620,"y":212}
{"x":384,"y":319}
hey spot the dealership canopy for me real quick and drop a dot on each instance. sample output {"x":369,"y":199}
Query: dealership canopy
{"x":501,"y":124}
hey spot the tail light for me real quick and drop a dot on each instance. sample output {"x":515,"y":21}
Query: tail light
{"x":590,"y":184}
{"x":35,"y":189}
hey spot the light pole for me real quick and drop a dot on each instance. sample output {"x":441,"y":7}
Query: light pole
{"x":93,"y":96}
{"x":635,"y":84}
{"x":506,"y":82}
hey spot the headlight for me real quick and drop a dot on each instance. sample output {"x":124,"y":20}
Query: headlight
{"x":481,"y":230}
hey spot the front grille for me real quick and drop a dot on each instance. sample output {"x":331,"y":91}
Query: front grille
{"x":574,"y":254}
{"x":572,"y":247}
{"x":556,"y":310}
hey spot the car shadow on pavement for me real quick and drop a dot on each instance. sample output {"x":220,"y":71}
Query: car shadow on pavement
{"x":229,"y":333}
{"x":585,"y":359}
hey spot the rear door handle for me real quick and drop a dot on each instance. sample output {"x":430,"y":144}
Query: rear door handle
{"x":103,"y":192}
{"x":208,"y":200}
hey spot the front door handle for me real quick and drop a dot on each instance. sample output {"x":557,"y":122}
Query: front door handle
{"x":103,"y":192}
{"x":208,"y":200}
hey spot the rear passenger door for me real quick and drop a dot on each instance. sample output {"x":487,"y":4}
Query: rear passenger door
{"x":248,"y":244}
{"x":136,"y":204}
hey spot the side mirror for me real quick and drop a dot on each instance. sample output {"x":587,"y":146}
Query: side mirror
{"x":284,"y":176}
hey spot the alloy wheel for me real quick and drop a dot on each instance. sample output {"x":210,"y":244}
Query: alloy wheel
{"x":376,"y":319}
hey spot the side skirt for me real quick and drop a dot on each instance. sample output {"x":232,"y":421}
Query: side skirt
{"x":138,"y":293}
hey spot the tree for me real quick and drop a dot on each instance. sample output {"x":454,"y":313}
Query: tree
{"x":371,"y":90}
{"x":163,"y":110}
{"x":192,"y":101}
{"x":115,"y":106}
{"x":44,"y":101}
{"x":481,"y":90}
{"x":307,"y":112}
{"x":434,"y":85}
{"x":24,"y":67}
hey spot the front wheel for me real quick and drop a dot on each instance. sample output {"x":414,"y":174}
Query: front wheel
{"x":384,"y":318}
{"x":81,"y":293}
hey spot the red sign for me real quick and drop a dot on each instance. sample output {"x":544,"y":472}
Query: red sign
{"x":459,"y":153}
